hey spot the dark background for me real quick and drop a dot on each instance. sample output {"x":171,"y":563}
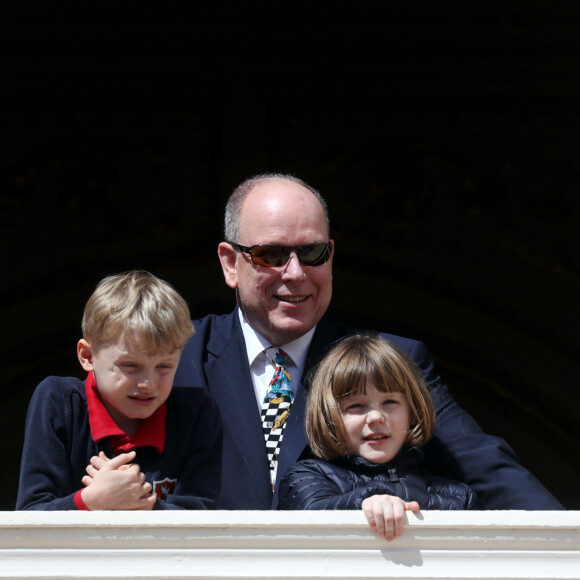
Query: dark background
{"x":445,"y":136}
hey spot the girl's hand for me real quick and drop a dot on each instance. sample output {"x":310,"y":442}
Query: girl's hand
{"x":386,"y":514}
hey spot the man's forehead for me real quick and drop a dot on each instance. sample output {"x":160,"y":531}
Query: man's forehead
{"x":271,"y":196}
{"x":274,"y":186}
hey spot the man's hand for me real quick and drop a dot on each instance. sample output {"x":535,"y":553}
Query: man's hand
{"x":116,"y":484}
{"x":386,"y":514}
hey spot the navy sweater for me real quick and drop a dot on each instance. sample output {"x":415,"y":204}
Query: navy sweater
{"x":58,"y":446}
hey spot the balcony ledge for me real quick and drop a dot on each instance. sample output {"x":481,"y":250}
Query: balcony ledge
{"x":284,"y":545}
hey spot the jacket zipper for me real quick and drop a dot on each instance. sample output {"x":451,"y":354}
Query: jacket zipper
{"x":394,"y":478}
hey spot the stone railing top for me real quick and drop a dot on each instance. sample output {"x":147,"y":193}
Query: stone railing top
{"x":313,"y":544}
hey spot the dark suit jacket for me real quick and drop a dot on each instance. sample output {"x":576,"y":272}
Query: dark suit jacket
{"x":215,"y":358}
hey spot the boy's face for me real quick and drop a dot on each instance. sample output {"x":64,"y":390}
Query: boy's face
{"x":132,"y":384}
{"x":376,"y":424}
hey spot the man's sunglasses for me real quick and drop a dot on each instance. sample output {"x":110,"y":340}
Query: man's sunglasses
{"x":273,"y":255}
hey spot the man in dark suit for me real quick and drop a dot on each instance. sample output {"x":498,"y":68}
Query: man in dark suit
{"x":277,"y":256}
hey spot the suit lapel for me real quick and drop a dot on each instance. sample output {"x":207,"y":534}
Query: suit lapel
{"x":228,"y":374}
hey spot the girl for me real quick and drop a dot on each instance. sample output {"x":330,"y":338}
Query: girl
{"x":368,"y":415}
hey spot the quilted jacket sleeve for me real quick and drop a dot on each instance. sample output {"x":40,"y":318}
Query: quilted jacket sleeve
{"x":309,"y":486}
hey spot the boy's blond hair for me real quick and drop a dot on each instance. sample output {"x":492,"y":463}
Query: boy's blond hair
{"x":352,"y":364}
{"x":140,"y":303}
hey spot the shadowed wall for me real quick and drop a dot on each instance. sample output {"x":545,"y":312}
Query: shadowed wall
{"x":446,"y":138}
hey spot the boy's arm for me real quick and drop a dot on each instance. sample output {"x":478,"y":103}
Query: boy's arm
{"x":49,"y":476}
{"x":199,"y":483}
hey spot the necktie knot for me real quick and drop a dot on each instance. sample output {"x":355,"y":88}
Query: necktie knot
{"x":281,"y":383}
{"x":280,"y":358}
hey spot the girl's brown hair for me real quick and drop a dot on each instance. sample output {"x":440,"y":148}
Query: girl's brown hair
{"x":351,"y":365}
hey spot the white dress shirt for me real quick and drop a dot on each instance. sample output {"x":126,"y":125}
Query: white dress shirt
{"x":262,"y":364}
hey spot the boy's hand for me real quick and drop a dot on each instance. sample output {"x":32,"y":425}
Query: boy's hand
{"x":115,"y":484}
{"x":97,"y":461}
{"x":386,"y":514}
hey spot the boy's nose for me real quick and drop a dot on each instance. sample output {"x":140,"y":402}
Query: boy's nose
{"x":145,"y":380}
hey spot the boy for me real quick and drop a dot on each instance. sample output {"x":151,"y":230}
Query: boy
{"x":134,"y":329}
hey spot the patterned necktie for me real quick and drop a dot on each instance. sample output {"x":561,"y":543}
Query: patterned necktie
{"x":275,"y":411}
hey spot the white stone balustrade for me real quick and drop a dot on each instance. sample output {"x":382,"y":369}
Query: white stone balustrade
{"x":284,"y":545}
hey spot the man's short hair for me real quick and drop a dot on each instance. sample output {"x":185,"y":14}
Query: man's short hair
{"x":239,"y":195}
{"x":140,"y":303}
{"x":351,"y":365}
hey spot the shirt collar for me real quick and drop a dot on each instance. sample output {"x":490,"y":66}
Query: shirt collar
{"x":256,"y":344}
{"x":151,"y":432}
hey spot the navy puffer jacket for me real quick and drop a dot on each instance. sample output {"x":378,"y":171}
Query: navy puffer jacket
{"x":344,"y":482}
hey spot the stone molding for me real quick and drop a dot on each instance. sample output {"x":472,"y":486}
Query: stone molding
{"x":283,"y":545}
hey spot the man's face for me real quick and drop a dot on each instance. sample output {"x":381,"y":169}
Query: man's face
{"x":284,"y":302}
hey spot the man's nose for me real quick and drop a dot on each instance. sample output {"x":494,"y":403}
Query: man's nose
{"x":293,"y":268}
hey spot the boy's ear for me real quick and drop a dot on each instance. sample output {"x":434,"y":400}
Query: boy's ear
{"x":85,"y":354}
{"x":227,"y":256}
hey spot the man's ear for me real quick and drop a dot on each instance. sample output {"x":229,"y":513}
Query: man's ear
{"x":85,"y":354}
{"x":228,"y":256}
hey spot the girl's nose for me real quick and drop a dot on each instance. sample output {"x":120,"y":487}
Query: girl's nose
{"x":375,"y":416}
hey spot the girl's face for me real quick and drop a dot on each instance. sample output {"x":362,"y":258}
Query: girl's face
{"x":376,"y":424}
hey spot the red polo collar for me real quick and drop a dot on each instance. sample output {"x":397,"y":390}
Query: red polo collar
{"x":151,"y":432}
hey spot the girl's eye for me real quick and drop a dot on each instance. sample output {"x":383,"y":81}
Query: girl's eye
{"x":353,"y":407}
{"x":390,"y":402}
